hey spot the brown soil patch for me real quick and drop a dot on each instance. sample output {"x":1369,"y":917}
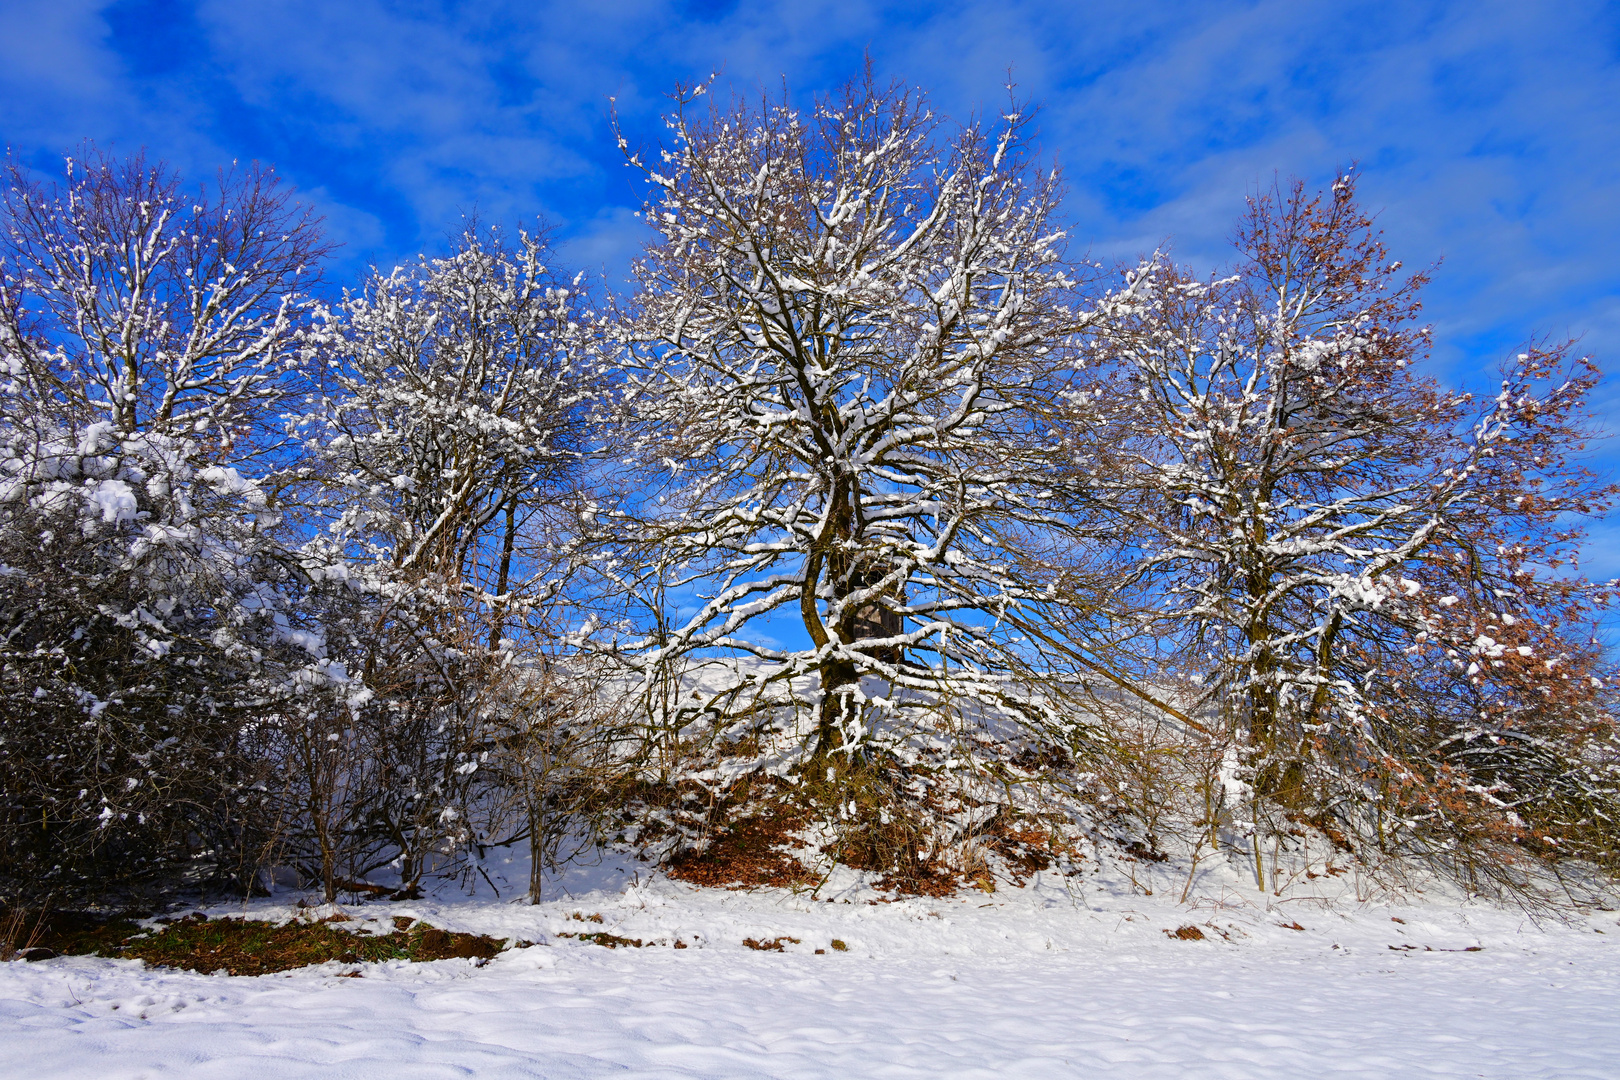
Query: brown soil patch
{"x":73,"y":933}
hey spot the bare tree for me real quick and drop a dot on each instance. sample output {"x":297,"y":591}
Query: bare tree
{"x":451,"y":418}
{"x":1358,"y":565}
{"x":160,"y":310}
{"x":834,"y":385}
{"x":563,"y":752}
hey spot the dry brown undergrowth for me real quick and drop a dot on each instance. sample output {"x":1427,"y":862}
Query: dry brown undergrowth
{"x":756,"y":848}
{"x":747,"y":853}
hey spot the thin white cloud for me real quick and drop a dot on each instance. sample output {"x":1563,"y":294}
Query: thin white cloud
{"x":1486,"y":130}
{"x":56,"y":69}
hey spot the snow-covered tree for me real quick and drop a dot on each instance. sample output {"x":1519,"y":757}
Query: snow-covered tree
{"x":146,"y":623}
{"x":440,"y":447}
{"x":1359,"y":565}
{"x":452,"y":416}
{"x":835,"y":387}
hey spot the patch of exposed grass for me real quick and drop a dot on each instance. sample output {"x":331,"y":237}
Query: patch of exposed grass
{"x":255,"y":947}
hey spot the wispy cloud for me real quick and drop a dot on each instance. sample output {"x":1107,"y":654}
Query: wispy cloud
{"x":1486,"y":130}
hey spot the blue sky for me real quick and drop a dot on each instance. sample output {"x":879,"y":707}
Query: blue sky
{"x":1488,"y":133}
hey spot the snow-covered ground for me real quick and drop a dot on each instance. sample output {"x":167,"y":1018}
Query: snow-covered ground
{"x":1058,"y":979}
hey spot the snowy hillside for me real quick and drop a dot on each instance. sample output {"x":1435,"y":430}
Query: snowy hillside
{"x":1064,"y":978}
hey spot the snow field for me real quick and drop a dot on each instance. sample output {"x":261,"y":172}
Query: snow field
{"x":1041,"y":982}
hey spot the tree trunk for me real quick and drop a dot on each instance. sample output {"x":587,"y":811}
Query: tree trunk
{"x":497,"y":617}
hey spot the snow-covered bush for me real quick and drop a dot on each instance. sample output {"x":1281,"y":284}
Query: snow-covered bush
{"x":148,"y":631}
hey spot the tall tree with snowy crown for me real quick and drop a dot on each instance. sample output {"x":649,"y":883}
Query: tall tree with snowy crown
{"x":1359,"y":565}
{"x":835,"y":379}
